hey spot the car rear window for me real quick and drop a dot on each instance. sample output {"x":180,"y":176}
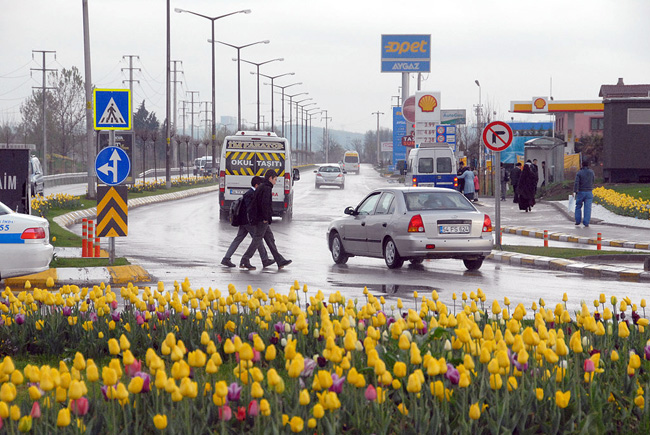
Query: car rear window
{"x":329,"y":169}
{"x":351,"y":159}
{"x":452,"y":200}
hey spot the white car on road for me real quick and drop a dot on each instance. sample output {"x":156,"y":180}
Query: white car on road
{"x":24,"y":243}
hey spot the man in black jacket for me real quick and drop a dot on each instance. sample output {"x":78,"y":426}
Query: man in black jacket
{"x":245,"y":228}
{"x":260,"y":213}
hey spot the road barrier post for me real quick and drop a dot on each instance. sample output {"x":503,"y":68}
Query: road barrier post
{"x":599,"y":240}
{"x":91,"y":231}
{"x":84,"y":238}
{"x":97,"y":245}
{"x":546,"y":238}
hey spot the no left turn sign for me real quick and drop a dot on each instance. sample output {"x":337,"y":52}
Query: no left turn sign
{"x":497,"y":136}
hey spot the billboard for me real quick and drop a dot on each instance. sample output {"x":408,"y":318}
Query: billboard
{"x":399,"y":131}
{"x":453,"y":117}
{"x":405,"y":53}
{"x":14,"y":167}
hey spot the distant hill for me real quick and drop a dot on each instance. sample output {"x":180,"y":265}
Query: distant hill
{"x":343,"y":137}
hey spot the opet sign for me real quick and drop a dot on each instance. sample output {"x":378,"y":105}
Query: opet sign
{"x":405,"y":53}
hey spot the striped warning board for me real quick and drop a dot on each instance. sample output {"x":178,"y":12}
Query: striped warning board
{"x":112,"y":211}
{"x":253,"y":163}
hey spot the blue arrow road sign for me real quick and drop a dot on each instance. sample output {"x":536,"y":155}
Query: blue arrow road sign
{"x":112,"y":166}
{"x":112,"y":109}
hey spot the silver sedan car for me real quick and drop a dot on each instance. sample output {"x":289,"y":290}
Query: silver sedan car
{"x":24,"y":243}
{"x":330,"y":175}
{"x":412,"y":223}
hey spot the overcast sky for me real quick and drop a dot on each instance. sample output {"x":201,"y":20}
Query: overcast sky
{"x":514,"y":48}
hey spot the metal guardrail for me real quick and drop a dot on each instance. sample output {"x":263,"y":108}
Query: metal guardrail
{"x":61,"y":179}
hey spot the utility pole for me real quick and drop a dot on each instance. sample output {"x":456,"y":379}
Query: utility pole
{"x":183,"y":109}
{"x":378,"y":143}
{"x":44,"y":87}
{"x":326,"y":142}
{"x":192,"y":112}
{"x":175,"y":109}
{"x":207,"y":118}
{"x":90,"y":132}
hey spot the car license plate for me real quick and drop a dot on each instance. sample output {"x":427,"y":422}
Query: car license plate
{"x":454,"y":229}
{"x":238,"y":191}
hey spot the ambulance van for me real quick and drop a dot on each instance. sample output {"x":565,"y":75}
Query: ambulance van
{"x":250,"y":153}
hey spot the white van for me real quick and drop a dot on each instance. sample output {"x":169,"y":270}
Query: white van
{"x":351,"y":162}
{"x":431,"y":165}
{"x":250,"y":153}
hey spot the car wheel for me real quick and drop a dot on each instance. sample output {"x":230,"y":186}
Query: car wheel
{"x":338,"y":252}
{"x":342,"y":186}
{"x":391,"y":256}
{"x":288,"y":216}
{"x":317,"y":186}
{"x":416,"y":260}
{"x":224,"y":215}
{"x":473,"y":264}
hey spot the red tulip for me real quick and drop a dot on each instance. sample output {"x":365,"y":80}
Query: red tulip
{"x":36,"y":411}
{"x":589,"y":365}
{"x":241,"y":413}
{"x":225,"y":413}
{"x":371,"y":393}
{"x":80,"y":406}
{"x":253,"y":408}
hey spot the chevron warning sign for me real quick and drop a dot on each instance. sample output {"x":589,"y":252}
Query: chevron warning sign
{"x":112,"y":211}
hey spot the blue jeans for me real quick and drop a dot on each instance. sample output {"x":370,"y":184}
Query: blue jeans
{"x":585,"y":198}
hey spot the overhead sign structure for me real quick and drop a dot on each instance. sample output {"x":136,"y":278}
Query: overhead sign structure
{"x":112,"y":166}
{"x":497,"y":136}
{"x":405,"y":53}
{"x":112,"y":211}
{"x":112,"y":109}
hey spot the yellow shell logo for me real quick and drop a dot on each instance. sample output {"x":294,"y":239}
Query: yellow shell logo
{"x":428,"y":103}
{"x":540,"y":103}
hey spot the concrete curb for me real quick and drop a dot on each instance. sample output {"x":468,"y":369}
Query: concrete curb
{"x":562,"y":237}
{"x":82,"y":276}
{"x":75,"y":217}
{"x":564,"y":265}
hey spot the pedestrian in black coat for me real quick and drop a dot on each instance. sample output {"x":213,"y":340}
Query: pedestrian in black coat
{"x":526,"y":188}
{"x":514,"y":180}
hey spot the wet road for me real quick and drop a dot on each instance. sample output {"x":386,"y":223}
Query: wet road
{"x":185,"y":238}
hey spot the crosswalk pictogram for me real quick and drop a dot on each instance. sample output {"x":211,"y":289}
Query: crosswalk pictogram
{"x":112,"y":114}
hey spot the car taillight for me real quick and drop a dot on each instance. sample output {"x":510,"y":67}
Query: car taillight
{"x":456,"y":182}
{"x":415,"y":182}
{"x":318,"y":174}
{"x":416,"y":225}
{"x":222,"y":181}
{"x":487,"y":224}
{"x":287,"y":183}
{"x":33,"y":233}
{"x":340,"y":175}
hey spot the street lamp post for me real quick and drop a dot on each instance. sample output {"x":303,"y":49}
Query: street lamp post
{"x":304,"y":130}
{"x":291,"y":112}
{"x":283,"y":88}
{"x":327,"y":139}
{"x":298,"y":122}
{"x":479,"y":126}
{"x":239,"y":48}
{"x":272,"y":78}
{"x":214,"y":104}
{"x":281,"y":59}
{"x":317,"y":109}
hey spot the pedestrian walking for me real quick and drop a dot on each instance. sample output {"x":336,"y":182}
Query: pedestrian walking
{"x":260,"y":213}
{"x":514,"y":180}
{"x":245,"y":228}
{"x":468,"y":184}
{"x":526,"y":188}
{"x":543,"y":174}
{"x":504,"y":182}
{"x":477,"y":185}
{"x":461,"y":180}
{"x":583,"y":188}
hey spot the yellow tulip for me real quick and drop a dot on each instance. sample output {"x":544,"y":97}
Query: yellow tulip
{"x":399,"y":369}
{"x":63,"y":418}
{"x":539,"y":393}
{"x":160,"y":421}
{"x":8,"y":392}
{"x":318,"y":411}
{"x":474,"y":411}
{"x":562,"y":399}
{"x":113,"y":347}
{"x":304,"y":397}
{"x":76,"y":390}
{"x":136,"y":384}
{"x":109,"y":376}
{"x":265,"y":408}
{"x":297,"y":424}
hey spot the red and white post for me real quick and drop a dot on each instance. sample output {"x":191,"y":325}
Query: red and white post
{"x":546,"y":238}
{"x":599,"y":241}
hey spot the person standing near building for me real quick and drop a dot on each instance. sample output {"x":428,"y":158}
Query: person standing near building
{"x":526,"y":187}
{"x":468,"y":184}
{"x":245,"y":228}
{"x":543,"y":174}
{"x":260,"y":213}
{"x":514,"y":180}
{"x":504,"y":182}
{"x":583,"y":188}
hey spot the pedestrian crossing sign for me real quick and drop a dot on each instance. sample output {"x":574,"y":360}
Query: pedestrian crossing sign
{"x":112,"y":109}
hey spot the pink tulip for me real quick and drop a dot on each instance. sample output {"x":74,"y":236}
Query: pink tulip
{"x":371,"y":393}
{"x":589,"y":366}
{"x":139,"y":320}
{"x":80,"y":406}
{"x":132,"y":369}
{"x":114,"y":304}
{"x":225,"y":413}
{"x":36,"y":410}
{"x":253,"y":408}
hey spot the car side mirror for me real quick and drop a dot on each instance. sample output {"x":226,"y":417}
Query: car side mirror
{"x":296,"y":174}
{"x":316,"y":171}
{"x":350,"y":210}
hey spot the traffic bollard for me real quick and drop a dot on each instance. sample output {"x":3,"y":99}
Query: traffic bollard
{"x":84,"y":237}
{"x":599,"y":240}
{"x":546,"y":238}
{"x":91,"y":231}
{"x":97,"y":247}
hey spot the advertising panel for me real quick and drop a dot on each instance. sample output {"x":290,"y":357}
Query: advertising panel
{"x":453,"y":117}
{"x":399,"y":131}
{"x":405,"y":53}
{"x":14,"y":173}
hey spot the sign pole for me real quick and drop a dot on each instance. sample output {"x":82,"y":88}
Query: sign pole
{"x":111,"y":240}
{"x":496,"y":168}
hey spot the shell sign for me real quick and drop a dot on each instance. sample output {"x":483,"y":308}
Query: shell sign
{"x":540,"y":105}
{"x":428,"y":103}
{"x":427,"y":107}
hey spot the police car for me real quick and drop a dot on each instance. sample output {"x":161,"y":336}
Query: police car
{"x":24,"y":243}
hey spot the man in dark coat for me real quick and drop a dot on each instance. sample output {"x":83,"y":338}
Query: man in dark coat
{"x":514,"y":180}
{"x":526,"y":188}
{"x":260,"y":214}
{"x":245,"y":228}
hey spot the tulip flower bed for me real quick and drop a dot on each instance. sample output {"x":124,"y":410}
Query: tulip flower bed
{"x":188,"y":360}
{"x":622,"y":204}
